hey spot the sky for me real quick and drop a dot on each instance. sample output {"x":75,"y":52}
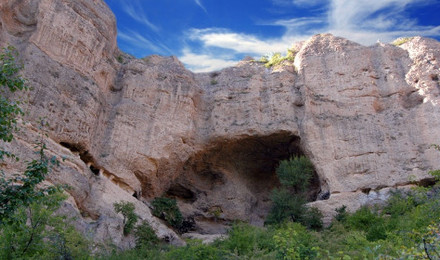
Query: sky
{"x":208,"y":35}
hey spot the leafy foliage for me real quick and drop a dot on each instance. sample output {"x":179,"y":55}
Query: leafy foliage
{"x":145,"y":236}
{"x":285,"y":206}
{"x":166,"y":209}
{"x":277,"y":58}
{"x":312,"y":219}
{"x":22,"y":190}
{"x":244,"y":239}
{"x":29,"y":227}
{"x":195,"y":250}
{"x":34,"y":231}
{"x":369,"y":233}
{"x":127,"y":210}
{"x":342,"y":214}
{"x":19,"y":190}
{"x":10,"y":82}
{"x":295,"y":173}
{"x":288,"y":202}
{"x":293,"y":242}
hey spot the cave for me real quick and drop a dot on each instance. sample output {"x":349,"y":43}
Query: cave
{"x":233,"y":180}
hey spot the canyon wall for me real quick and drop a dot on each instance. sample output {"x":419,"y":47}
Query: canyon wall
{"x":134,"y":129}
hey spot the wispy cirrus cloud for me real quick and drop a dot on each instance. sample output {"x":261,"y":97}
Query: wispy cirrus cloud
{"x":199,"y":3}
{"x":135,"y":10}
{"x":367,"y":21}
{"x":137,"y":40}
{"x":363,"y":21}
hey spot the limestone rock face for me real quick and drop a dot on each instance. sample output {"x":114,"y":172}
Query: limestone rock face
{"x":134,"y":129}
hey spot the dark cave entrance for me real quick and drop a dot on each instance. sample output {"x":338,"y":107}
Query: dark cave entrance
{"x":233,"y":180}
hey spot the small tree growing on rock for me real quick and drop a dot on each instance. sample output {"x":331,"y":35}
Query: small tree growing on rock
{"x":127,"y":210}
{"x":166,"y":209}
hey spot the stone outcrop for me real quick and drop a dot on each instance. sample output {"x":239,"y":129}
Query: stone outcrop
{"x":133,"y":129}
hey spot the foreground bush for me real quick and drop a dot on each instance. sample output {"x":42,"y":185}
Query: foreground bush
{"x":166,"y":209}
{"x":289,"y":201}
{"x":36,"y":232}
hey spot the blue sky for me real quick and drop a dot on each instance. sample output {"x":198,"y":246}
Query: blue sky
{"x":208,"y":35}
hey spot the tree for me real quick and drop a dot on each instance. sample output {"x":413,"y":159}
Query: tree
{"x":10,"y":82}
{"x":22,"y":189}
{"x":295,"y":173}
{"x":288,"y":202}
{"x":285,"y":206}
{"x":127,"y":210}
{"x":167,"y":209}
{"x":36,"y":232}
{"x":28,"y":226}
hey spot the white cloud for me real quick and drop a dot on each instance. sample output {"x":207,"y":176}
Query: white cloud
{"x":135,"y":39}
{"x":351,"y":14}
{"x":363,"y":21}
{"x":366,"y":21}
{"x":239,"y":43}
{"x":204,"y":62}
{"x":199,"y":3}
{"x":134,"y":9}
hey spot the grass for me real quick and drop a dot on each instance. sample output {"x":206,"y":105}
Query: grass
{"x":401,"y":41}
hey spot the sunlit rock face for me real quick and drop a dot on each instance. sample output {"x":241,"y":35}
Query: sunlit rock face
{"x":134,"y":129}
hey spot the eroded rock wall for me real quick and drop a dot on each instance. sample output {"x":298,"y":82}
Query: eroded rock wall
{"x":133,"y":129}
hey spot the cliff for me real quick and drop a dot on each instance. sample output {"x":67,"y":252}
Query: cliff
{"x":133,"y":129}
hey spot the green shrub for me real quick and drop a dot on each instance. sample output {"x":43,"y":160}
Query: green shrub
{"x":377,"y":231}
{"x":127,"y":210}
{"x":166,"y":209}
{"x":35,"y":232}
{"x":399,"y":203}
{"x":369,"y":221}
{"x":288,"y":202}
{"x":195,"y":250}
{"x":285,"y":207}
{"x":293,"y":241}
{"x":276,"y":58}
{"x":120,"y":59}
{"x":295,"y":173}
{"x":145,"y":236}
{"x":342,"y":214}
{"x":362,"y":219}
{"x":312,"y":219}
{"x":244,"y":239}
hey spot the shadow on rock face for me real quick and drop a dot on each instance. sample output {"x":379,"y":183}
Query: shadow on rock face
{"x":233,"y":179}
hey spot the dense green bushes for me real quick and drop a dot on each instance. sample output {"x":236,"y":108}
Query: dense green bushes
{"x":288,"y":201}
{"x":399,"y":229}
{"x":166,"y":209}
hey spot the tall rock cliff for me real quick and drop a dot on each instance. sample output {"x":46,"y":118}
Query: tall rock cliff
{"x":133,"y":129}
